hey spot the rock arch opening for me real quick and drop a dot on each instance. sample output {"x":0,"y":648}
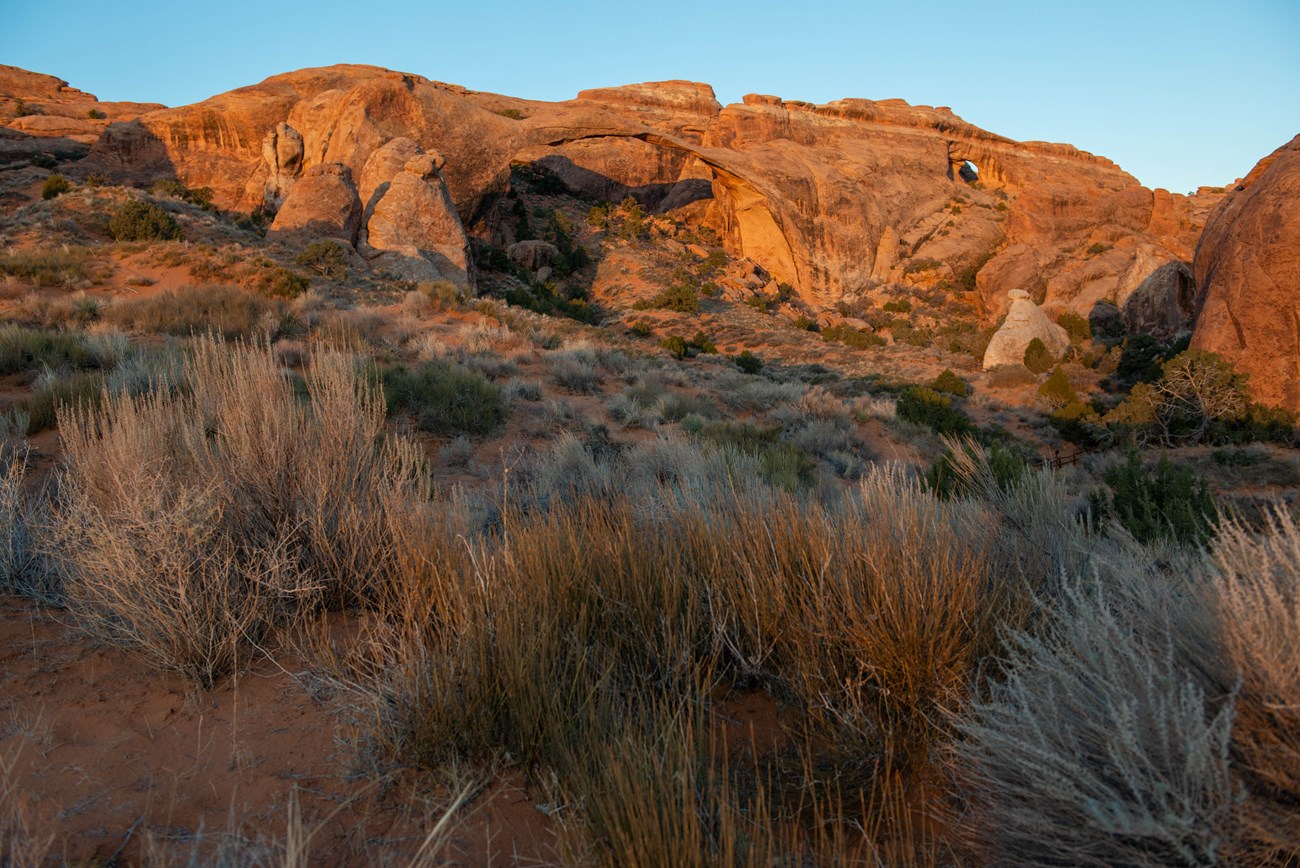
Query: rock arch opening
{"x":968,"y":172}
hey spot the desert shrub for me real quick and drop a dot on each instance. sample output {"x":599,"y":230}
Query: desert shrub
{"x":852,"y":337}
{"x":1198,"y":396}
{"x":1253,"y":592}
{"x":640,"y":329}
{"x":1037,"y":357}
{"x":575,"y":370}
{"x":1098,"y":248}
{"x":675,"y":344}
{"x":1081,"y":424}
{"x":681,"y":299}
{"x":190,"y":522}
{"x":748,"y":362}
{"x":48,"y":266}
{"x":703,"y":343}
{"x":327,"y":258}
{"x":922,"y":405}
{"x":951,"y":384}
{"x":1056,"y":390}
{"x":1077,"y":327}
{"x":445,"y":398}
{"x":143,"y":221}
{"x":221,"y":310}
{"x":1160,"y":502}
{"x":176,"y":189}
{"x":282,"y":283}
{"x":43,"y":161}
{"x":55,"y":185}
{"x":897,"y":305}
{"x":1097,"y":748}
{"x":23,"y":349}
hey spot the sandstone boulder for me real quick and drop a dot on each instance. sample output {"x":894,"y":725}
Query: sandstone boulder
{"x":1025,"y":321}
{"x":1162,"y":305}
{"x":322,"y":204}
{"x":1248,"y":279}
{"x":382,"y":166}
{"x":414,"y":232}
{"x":532,"y":254}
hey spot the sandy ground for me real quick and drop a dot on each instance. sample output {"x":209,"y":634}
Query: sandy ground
{"x":110,"y":754}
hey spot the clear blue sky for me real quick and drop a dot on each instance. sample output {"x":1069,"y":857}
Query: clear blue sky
{"x":1178,"y":93}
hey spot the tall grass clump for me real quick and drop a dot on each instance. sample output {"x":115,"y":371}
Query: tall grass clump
{"x":190,"y":522}
{"x":24,"y":349}
{"x":48,"y":266}
{"x":590,"y":627}
{"x":220,"y":310}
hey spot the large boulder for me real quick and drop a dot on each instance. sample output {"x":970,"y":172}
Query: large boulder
{"x":1162,"y":305}
{"x":414,"y":232}
{"x":1248,"y":279}
{"x":533,"y":254}
{"x":1025,"y":321}
{"x":322,"y":204}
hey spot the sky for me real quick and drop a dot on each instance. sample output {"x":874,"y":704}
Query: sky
{"x":1180,"y":94}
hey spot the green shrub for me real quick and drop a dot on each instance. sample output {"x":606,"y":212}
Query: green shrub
{"x":1037,"y":358}
{"x":675,"y":344}
{"x":898,"y":305}
{"x":1160,"y":502}
{"x":1056,"y":390}
{"x":445,"y":398}
{"x":200,"y":196}
{"x":748,"y":362}
{"x":803,"y":323}
{"x":1098,"y":248}
{"x":703,"y":343}
{"x":1143,"y":357}
{"x":55,"y":185}
{"x":852,"y":337}
{"x":327,"y":258}
{"x":640,"y":329}
{"x":1080,"y":424}
{"x":922,"y":405}
{"x":282,"y":283}
{"x":513,"y":113}
{"x":143,"y":221}
{"x":1077,"y":327}
{"x":950,"y":383}
{"x":681,"y":299}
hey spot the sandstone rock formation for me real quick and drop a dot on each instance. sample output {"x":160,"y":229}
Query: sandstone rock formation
{"x":1163,"y":304}
{"x":415,"y":229}
{"x":1025,"y":321}
{"x":1248,"y":279}
{"x":832,"y":199}
{"x":282,"y":152}
{"x":322,"y":204}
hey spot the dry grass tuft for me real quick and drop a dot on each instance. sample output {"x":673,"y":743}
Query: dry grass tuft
{"x":190,"y":522}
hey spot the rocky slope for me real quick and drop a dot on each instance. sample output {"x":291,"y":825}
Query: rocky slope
{"x":1248,"y":279}
{"x":834,"y":199}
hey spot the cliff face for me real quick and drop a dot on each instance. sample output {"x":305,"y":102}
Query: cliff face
{"x":1248,"y":279}
{"x":833,"y":198}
